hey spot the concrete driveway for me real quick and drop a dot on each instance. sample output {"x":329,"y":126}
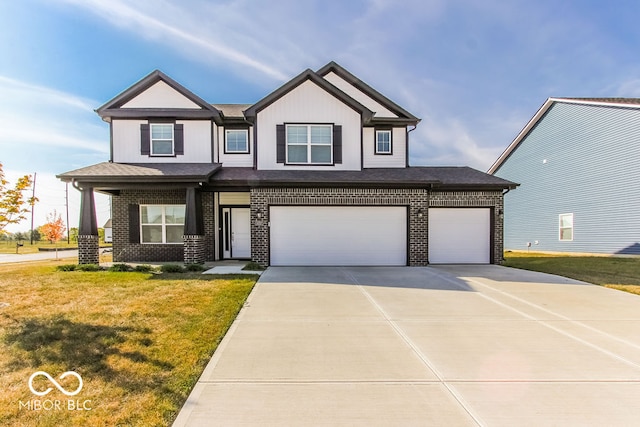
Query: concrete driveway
{"x":448,"y":345}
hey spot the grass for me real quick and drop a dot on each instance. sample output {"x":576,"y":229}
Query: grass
{"x":614,"y":272}
{"x":139,"y":340}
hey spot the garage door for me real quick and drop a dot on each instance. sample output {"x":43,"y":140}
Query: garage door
{"x":459,"y":236}
{"x":330,"y":235}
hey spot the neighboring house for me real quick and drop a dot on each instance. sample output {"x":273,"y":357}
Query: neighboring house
{"x":578,"y":163}
{"x":108,"y":231}
{"x":315,"y":173}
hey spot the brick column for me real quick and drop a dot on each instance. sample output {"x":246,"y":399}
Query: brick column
{"x":88,"y":249}
{"x":194,"y":249}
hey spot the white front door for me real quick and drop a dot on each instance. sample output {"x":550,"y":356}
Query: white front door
{"x":236,"y":233}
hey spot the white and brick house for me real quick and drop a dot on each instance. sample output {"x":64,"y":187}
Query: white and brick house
{"x":315,"y":173}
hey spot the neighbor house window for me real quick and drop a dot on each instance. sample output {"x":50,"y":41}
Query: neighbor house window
{"x":311,"y":144}
{"x":161,"y":139}
{"x":383,"y":142}
{"x":162,"y":223}
{"x":237,"y":141}
{"x":566,"y":227}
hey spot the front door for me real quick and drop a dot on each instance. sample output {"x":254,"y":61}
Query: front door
{"x":236,"y":233}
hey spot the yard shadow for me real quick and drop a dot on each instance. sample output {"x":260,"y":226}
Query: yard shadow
{"x":82,"y":347}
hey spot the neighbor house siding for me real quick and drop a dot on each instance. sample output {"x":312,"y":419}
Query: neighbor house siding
{"x":308,"y":103}
{"x":580,"y":159}
{"x":126,"y":142}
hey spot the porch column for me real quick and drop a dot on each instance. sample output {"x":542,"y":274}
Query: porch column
{"x":88,"y":240}
{"x":194,"y":238}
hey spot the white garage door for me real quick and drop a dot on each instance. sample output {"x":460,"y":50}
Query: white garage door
{"x":459,"y":236}
{"x":345,"y":235}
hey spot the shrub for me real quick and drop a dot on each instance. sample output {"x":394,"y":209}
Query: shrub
{"x":120,"y":267}
{"x":66,"y":267}
{"x":145,"y":268}
{"x":171,"y":268}
{"x":194,"y":267}
{"x":253,"y":266}
{"x":88,"y":267}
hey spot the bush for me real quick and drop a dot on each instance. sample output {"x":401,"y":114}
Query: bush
{"x":171,"y":268}
{"x":120,"y":267}
{"x":145,"y":268}
{"x":253,"y":266}
{"x":195,"y":267}
{"x":66,"y":267}
{"x":88,"y":267}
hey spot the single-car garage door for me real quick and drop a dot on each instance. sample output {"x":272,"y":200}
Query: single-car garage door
{"x":459,"y":235}
{"x":338,"y":235}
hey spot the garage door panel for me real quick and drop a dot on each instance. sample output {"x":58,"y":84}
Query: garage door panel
{"x":329,"y":235}
{"x":459,"y":235}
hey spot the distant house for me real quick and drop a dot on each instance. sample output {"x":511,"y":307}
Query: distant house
{"x":108,"y":231}
{"x":315,"y":173}
{"x":578,"y":163}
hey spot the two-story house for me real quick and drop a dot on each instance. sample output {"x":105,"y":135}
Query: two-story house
{"x":315,"y":173}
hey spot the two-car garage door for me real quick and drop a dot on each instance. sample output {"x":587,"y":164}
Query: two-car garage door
{"x":338,"y":235}
{"x":374,"y":235}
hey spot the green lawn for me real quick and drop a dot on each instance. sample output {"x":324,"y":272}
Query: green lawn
{"x":139,"y":341}
{"x":614,"y":272}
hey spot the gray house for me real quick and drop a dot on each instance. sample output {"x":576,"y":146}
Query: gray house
{"x":315,"y":173}
{"x":578,"y":165}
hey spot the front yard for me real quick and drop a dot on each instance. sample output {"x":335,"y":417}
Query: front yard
{"x":139,"y":341}
{"x":612,"y":272}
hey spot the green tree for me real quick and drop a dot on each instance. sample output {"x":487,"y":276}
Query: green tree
{"x":19,"y":235}
{"x":36,"y":235}
{"x":73,"y":234}
{"x":12,"y":201}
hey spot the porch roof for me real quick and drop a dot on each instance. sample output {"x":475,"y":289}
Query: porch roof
{"x":113,"y":173}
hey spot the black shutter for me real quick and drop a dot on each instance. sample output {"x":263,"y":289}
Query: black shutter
{"x":145,"y":140}
{"x":281,"y":144}
{"x":178,"y":139}
{"x":337,"y":144}
{"x":134,"y":224}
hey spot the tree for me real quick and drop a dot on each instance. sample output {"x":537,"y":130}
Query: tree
{"x":36,"y":236}
{"x":12,"y":200}
{"x":73,"y":234}
{"x":54,"y":229}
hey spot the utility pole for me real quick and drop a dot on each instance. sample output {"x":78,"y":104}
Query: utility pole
{"x":33,"y":195}
{"x":66,"y":202}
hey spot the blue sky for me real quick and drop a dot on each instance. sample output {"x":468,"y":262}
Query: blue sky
{"x":474,"y":71}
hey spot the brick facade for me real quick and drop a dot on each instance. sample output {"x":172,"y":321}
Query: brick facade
{"x":88,"y":249}
{"x":416,"y":199}
{"x":125,"y":250}
{"x":194,"y":249}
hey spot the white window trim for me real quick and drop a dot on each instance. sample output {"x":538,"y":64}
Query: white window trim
{"x":560,"y":227}
{"x":226,"y":147}
{"x":390,"y":141}
{"x":151,"y":139}
{"x":308,"y":143}
{"x":163,"y":224}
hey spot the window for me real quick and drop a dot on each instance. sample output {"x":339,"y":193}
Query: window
{"x":383,"y":142}
{"x":310,"y":144}
{"x":237,"y":141}
{"x":566,"y":227}
{"x":162,"y":223}
{"x":161,"y":139}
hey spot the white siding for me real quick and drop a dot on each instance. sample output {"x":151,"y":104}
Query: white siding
{"x":126,"y":142}
{"x":234,"y":160}
{"x":234,"y":198}
{"x":309,"y":103}
{"x":359,"y":96}
{"x":160,"y":95}
{"x":398,"y":148}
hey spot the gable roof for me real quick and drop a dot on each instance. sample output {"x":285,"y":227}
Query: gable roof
{"x":601,"y":102}
{"x":403,"y":114}
{"x":113,"y":107}
{"x":308,"y":74}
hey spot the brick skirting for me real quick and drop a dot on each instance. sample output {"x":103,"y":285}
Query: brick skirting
{"x":88,"y":249}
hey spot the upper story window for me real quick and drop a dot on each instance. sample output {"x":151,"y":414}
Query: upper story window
{"x":383,"y":142}
{"x":309,"y":144}
{"x":236,"y":141}
{"x":566,"y":227}
{"x":162,"y":139}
